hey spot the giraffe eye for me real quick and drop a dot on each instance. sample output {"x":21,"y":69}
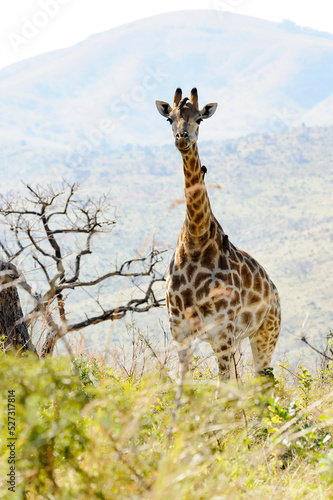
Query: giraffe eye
{"x":169,"y":120}
{"x":199,"y":121}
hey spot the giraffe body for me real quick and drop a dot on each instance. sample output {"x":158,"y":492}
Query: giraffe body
{"x":215,"y":291}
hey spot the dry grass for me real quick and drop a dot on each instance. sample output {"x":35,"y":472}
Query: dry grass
{"x":102,"y":432}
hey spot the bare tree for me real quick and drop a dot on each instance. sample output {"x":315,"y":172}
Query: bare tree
{"x":48,"y":235}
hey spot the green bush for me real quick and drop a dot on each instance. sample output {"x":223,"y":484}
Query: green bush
{"x":85,"y":432}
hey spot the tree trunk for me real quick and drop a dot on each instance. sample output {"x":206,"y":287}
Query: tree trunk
{"x":13,"y":329}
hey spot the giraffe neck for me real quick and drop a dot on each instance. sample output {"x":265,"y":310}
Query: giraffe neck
{"x":198,"y":209}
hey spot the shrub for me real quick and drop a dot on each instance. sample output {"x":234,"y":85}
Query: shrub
{"x":85,"y":432}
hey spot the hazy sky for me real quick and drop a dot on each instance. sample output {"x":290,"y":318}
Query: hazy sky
{"x":31,"y":27}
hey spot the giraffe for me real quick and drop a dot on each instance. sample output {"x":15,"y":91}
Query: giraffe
{"x":214,"y":291}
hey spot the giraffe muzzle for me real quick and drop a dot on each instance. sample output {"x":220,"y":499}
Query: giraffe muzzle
{"x":182,"y":141}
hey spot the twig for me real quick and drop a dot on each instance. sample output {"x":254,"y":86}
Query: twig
{"x":303,"y":339}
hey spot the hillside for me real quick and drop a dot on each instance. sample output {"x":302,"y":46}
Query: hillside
{"x":66,"y":115}
{"x":272,"y":195}
{"x":266,"y":76}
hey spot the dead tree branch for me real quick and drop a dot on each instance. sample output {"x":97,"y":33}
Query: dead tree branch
{"x":49,"y":234}
{"x":323,"y":354}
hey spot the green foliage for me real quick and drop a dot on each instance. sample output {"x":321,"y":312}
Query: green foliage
{"x":305,"y":381}
{"x":88,"y":369}
{"x":84,"y":432}
{"x":269,"y":373}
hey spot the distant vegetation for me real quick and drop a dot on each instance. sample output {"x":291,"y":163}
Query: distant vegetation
{"x":271,"y":193}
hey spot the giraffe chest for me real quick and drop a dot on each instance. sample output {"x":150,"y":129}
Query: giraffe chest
{"x":214,"y":291}
{"x":198,"y":293}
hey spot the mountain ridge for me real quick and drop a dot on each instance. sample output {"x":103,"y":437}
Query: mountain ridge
{"x":254,"y":68}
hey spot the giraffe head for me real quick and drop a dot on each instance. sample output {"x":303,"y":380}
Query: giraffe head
{"x":185,"y":117}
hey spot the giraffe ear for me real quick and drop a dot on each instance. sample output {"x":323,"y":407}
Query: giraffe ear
{"x":164,"y":108}
{"x":208,"y":110}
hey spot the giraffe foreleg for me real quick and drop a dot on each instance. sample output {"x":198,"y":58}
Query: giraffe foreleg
{"x":223,"y":345}
{"x":264,"y":341}
{"x":185,"y":353}
{"x":185,"y":350}
{"x":224,"y":362}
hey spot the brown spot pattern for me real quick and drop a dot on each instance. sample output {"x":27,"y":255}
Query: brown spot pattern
{"x":236,"y":280}
{"x":205,"y":309}
{"x":246,"y":277}
{"x":203,"y":291}
{"x":200,"y":278}
{"x":221,"y":304}
{"x":179,"y":302}
{"x":223,"y":263}
{"x":246,"y":317}
{"x":190,"y":272}
{"x":253,"y":298}
{"x":257,"y":287}
{"x":187,"y":298}
{"x":208,"y":256}
{"x":177,"y":280}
